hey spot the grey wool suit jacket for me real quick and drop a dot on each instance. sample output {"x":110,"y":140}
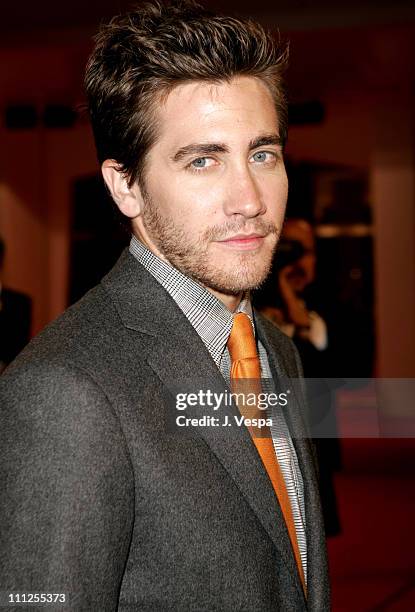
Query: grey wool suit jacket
{"x":102,"y":501}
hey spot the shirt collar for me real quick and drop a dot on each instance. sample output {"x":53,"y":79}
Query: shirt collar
{"x":207,"y":314}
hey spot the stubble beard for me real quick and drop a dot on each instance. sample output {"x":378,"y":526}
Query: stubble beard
{"x":193,"y":258}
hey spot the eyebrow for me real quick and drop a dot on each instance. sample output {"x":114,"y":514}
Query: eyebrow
{"x":202,"y":148}
{"x":266,"y":140}
{"x":207,"y":148}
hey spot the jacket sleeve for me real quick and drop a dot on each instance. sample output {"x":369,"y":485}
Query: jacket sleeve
{"x":67,"y":488}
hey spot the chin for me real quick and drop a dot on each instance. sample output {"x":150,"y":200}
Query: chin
{"x":233,"y":281}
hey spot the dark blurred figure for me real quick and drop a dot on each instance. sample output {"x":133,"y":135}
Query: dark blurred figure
{"x":289,"y":299}
{"x":15,"y":319}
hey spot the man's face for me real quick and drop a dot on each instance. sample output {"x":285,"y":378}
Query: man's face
{"x":215,"y":186}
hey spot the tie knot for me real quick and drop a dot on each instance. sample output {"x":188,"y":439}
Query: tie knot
{"x":241,"y":343}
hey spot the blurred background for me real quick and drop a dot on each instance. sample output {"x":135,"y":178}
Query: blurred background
{"x":351,"y":164}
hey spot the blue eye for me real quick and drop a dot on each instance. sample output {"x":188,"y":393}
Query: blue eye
{"x":200,"y":162}
{"x":260,"y":157}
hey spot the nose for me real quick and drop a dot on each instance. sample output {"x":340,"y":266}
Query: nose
{"x":244,"y":195}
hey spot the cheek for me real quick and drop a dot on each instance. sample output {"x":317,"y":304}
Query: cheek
{"x":201,"y":201}
{"x":275,"y":182}
{"x":283,"y":185}
{"x":186,"y":198}
{"x":275,"y":195}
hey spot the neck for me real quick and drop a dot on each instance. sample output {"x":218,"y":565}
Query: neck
{"x":231,"y":301}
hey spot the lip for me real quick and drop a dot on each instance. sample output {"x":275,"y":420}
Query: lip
{"x":244,"y":241}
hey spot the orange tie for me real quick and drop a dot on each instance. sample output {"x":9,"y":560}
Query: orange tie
{"x":245,"y":364}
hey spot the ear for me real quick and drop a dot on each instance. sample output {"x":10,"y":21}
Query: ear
{"x":128,"y":199}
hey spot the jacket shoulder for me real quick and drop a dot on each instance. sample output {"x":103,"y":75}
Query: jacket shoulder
{"x":80,"y":330}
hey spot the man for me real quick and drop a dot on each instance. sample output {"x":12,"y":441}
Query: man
{"x":15,"y":318}
{"x":106,"y":501}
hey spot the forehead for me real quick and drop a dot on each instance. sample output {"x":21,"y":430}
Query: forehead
{"x":237,"y":109}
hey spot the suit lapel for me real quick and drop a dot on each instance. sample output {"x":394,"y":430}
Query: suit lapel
{"x":179,"y":357}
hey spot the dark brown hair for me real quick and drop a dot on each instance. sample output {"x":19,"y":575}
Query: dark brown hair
{"x":141,"y":56}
